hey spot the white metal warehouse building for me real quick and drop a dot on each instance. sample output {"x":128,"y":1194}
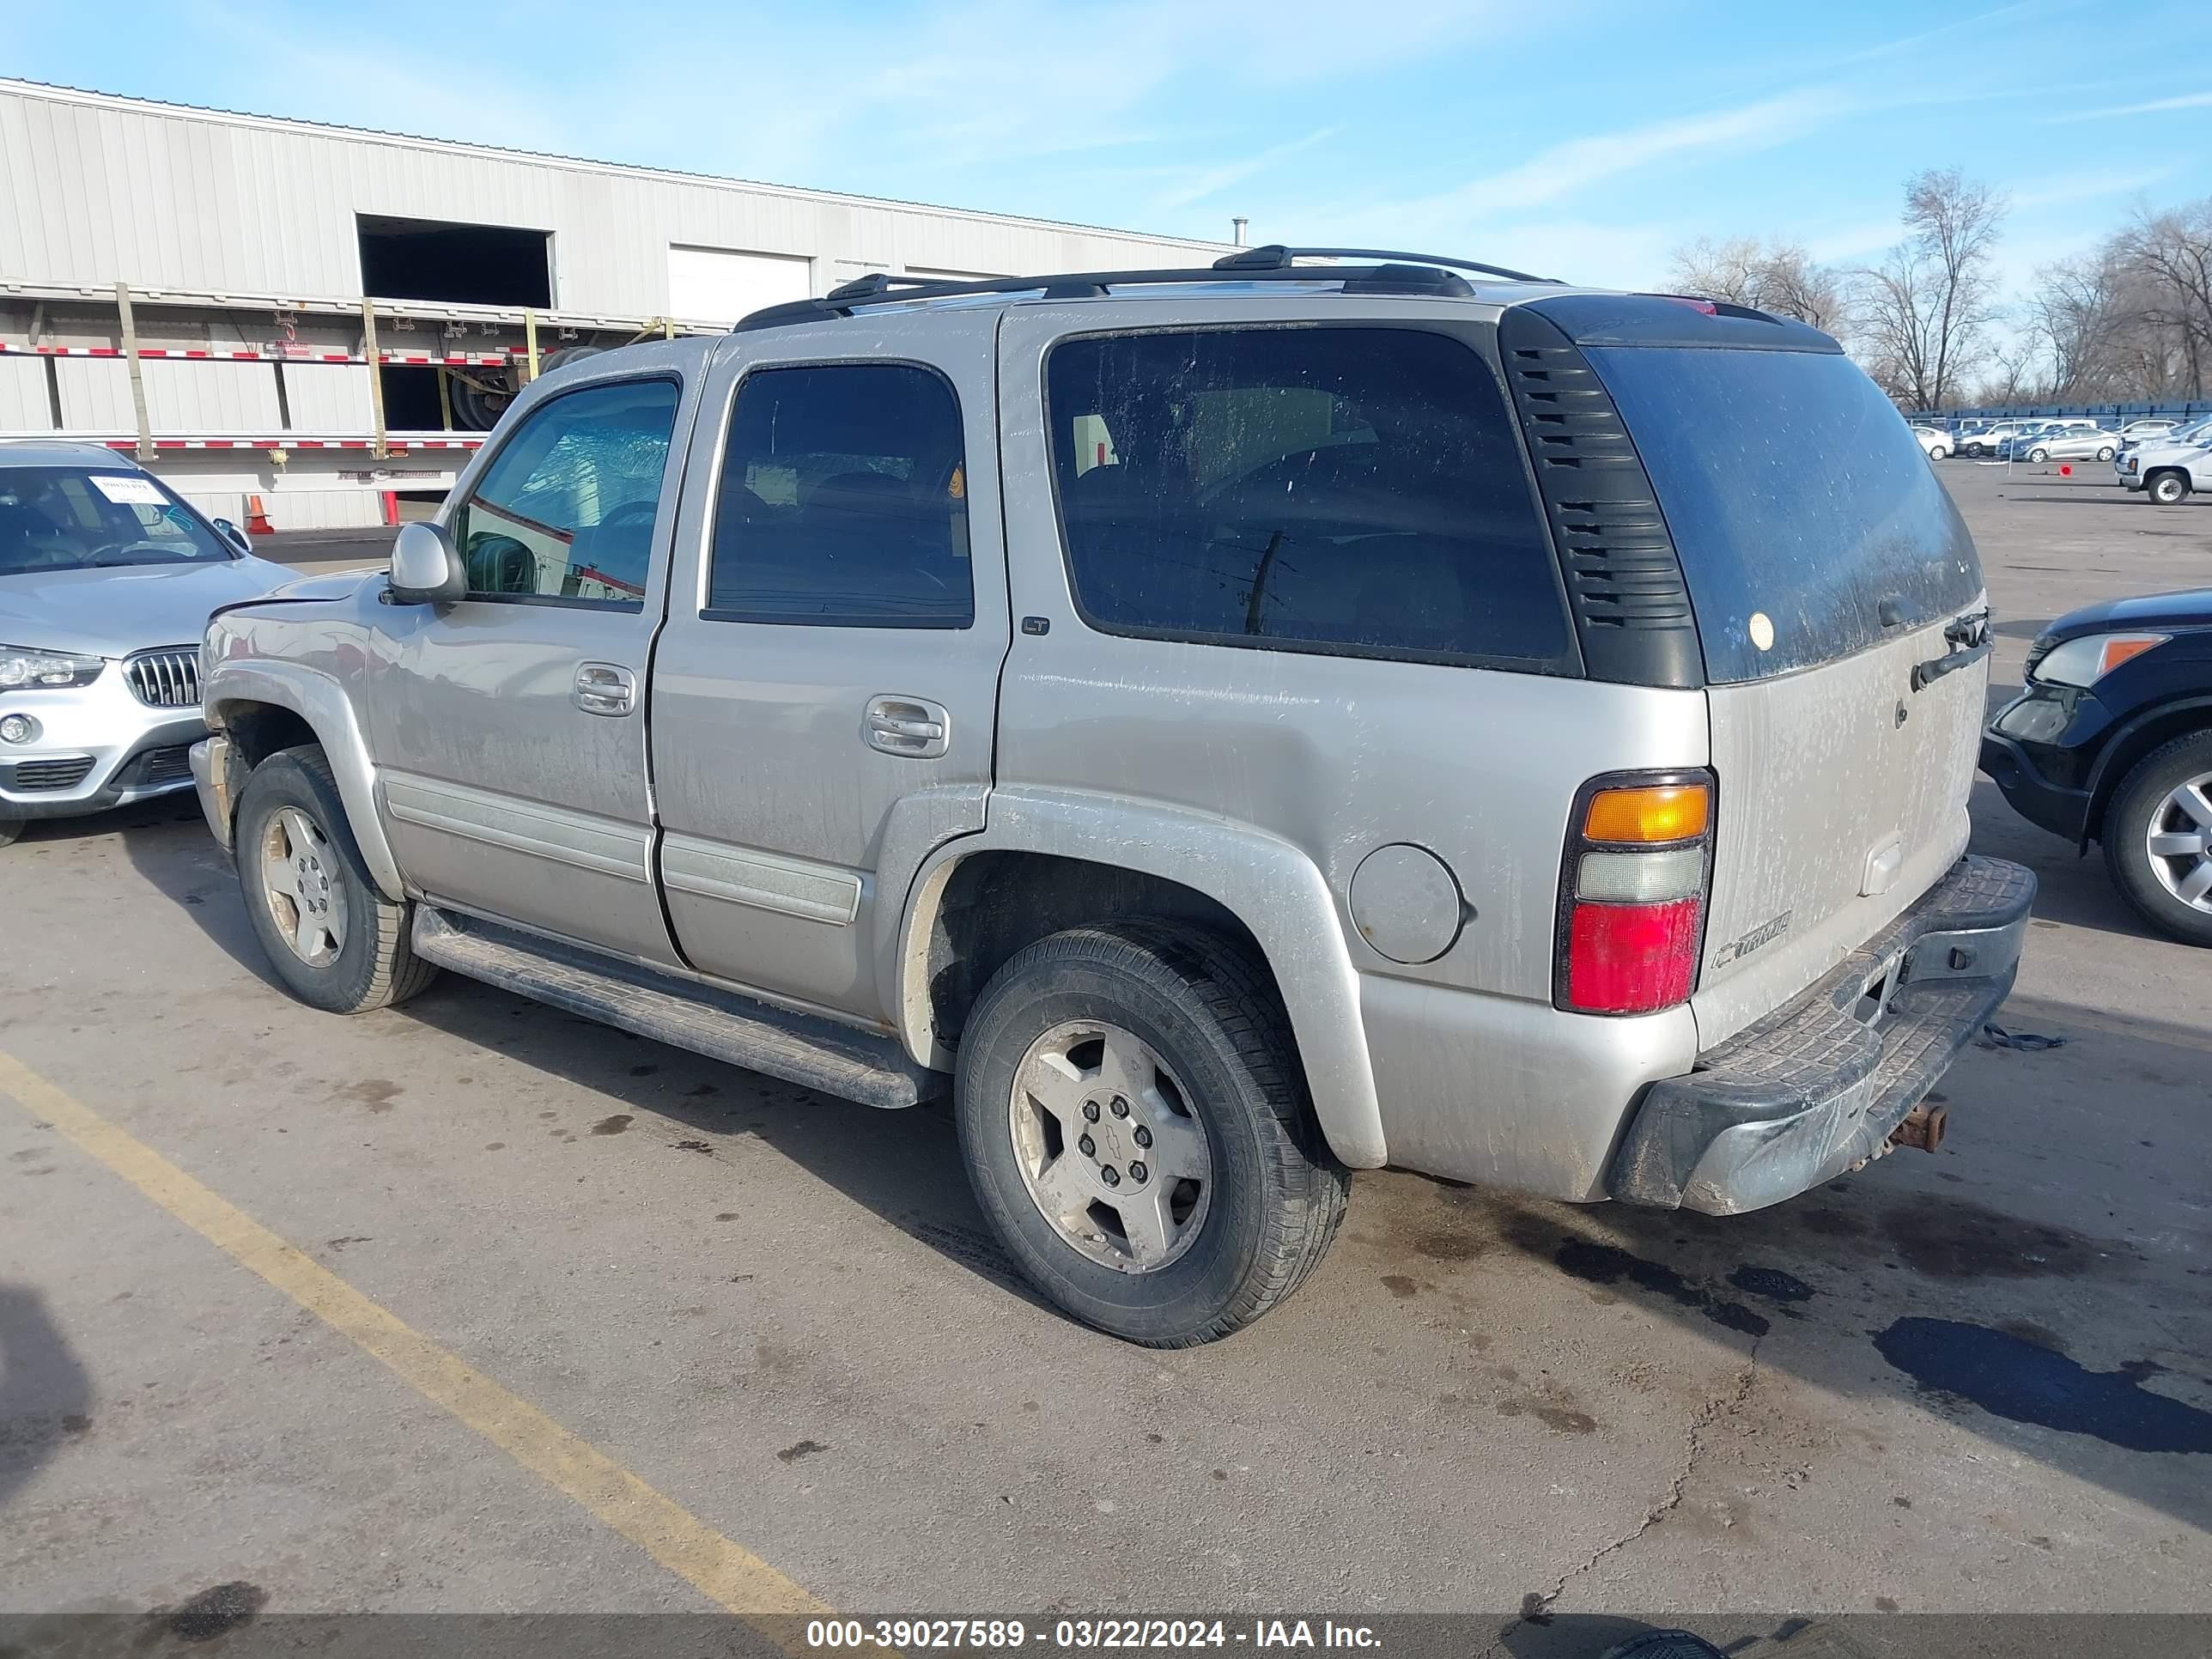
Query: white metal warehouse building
{"x":328,"y":319}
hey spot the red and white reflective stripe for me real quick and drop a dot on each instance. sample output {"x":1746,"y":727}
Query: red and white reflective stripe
{"x":498,"y":359}
{"x":295,"y":443}
{"x":453,"y":360}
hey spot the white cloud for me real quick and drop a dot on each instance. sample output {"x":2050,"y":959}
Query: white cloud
{"x":2085,"y":185}
{"x":1850,"y":242}
{"x":1566,"y":169}
{"x":2187,"y":100}
{"x":1199,"y":184}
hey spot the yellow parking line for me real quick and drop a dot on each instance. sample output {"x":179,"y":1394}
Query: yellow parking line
{"x":725,"y":1573}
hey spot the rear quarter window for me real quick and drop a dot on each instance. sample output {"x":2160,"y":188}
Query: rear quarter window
{"x":1342,"y":489}
{"x":1796,"y":493}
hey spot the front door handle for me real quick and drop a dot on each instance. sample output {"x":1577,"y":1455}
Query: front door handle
{"x":605,"y":688}
{"x":912,"y":727}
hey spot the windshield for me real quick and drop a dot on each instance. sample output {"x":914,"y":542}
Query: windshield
{"x":1808,"y":520}
{"x":78,"y":518}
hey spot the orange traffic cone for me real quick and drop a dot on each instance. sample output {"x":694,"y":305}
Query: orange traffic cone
{"x":257,"y":518}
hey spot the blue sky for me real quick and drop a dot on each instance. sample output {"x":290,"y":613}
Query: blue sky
{"x":1583,"y":138}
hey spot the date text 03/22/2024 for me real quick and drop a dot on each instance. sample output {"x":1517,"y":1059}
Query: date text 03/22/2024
{"x":1086,"y":1634}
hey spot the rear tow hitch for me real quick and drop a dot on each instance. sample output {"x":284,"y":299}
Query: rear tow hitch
{"x":1923,"y":1128}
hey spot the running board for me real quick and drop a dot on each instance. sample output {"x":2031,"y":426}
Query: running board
{"x":802,"y":1049}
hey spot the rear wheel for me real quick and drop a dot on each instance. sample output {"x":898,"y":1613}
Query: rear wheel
{"x":2158,"y":838}
{"x":336,"y":941}
{"x":1137,"y":1132}
{"x":2168,"y":489}
{"x":1938,"y":453}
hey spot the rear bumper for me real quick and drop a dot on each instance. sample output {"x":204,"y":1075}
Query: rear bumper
{"x":1815,"y":1089}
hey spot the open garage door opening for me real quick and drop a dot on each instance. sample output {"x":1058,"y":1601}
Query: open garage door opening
{"x":467,"y":264}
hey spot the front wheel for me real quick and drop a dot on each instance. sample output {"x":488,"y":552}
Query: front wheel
{"x":336,"y":942}
{"x":1137,"y":1129}
{"x":2168,"y":488}
{"x":2039,"y":454}
{"x":2158,"y":838}
{"x":2105,"y":453}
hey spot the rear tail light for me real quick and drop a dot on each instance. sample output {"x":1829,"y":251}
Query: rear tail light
{"x":1632,"y":893}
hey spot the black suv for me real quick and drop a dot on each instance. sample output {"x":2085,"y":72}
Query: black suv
{"x":2110,"y":741}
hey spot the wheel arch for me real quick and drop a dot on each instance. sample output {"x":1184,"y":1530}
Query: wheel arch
{"x":1049,"y":861}
{"x":2136,"y":738}
{"x":265,"y":706}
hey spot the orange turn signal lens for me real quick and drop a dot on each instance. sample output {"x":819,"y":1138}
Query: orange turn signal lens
{"x":1670,"y":811}
{"x":2122,"y":647}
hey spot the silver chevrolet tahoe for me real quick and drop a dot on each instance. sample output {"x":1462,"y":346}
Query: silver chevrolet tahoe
{"x":1228,"y":727}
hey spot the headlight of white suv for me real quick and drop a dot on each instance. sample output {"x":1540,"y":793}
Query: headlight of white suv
{"x":23,"y":668}
{"x":2084,"y":661}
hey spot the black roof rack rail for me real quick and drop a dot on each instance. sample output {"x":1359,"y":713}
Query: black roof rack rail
{"x":1396,"y":273}
{"x":1276,"y":256}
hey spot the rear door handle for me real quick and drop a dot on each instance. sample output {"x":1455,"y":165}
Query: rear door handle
{"x":912,"y":727}
{"x":605,"y":688}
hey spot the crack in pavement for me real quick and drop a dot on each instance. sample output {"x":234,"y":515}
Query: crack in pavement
{"x":1536,"y":1608}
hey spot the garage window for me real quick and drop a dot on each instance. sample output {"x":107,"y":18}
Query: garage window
{"x":843,"y":501}
{"x":1352,"y":490}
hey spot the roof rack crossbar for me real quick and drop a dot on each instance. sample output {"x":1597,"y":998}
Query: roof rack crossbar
{"x":883,"y":288}
{"x":1274,"y":256}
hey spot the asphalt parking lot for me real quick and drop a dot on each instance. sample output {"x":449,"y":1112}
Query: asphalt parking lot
{"x":1974,"y":1381}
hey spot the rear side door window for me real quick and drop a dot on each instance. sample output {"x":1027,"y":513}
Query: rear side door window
{"x":565,"y":512}
{"x":843,"y":501}
{"x":1336,"y":490}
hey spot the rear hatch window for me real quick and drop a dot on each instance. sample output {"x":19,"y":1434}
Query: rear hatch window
{"x":1808,"y":520}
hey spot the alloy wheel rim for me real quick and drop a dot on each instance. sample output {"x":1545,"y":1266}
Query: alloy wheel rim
{"x":300,"y":886}
{"x":2179,"y":843}
{"x":1109,"y":1149}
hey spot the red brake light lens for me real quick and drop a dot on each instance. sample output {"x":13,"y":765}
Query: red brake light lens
{"x":1632,"y":958}
{"x":1632,"y":891}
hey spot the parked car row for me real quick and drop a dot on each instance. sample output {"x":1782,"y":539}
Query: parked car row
{"x":2016,"y":439}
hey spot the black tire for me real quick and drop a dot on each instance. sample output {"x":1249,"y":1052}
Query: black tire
{"x":2168,"y":489}
{"x":2105,"y":453}
{"x":548,"y":361}
{"x":11,"y":830}
{"x":1277,"y":1195}
{"x":375,"y":965}
{"x":2126,"y":827}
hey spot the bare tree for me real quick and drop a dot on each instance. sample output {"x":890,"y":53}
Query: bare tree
{"x":2014,"y":379}
{"x":2075,"y":318}
{"x":1780,"y":277}
{"x":1924,"y":310}
{"x":2169,"y":255}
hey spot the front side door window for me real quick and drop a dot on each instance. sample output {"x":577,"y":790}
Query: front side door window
{"x":565,"y":512}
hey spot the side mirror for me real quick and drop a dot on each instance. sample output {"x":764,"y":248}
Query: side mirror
{"x":426,"y":569}
{"x":231,"y":533}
